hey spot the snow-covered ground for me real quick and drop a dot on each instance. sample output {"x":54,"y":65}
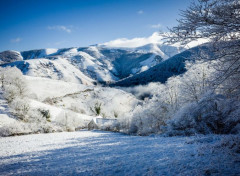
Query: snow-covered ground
{"x":106,"y":153}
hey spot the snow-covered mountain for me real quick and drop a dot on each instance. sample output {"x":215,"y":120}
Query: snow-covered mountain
{"x":10,"y":56}
{"x":104,"y":63}
{"x":173,"y":66}
{"x":84,"y":65}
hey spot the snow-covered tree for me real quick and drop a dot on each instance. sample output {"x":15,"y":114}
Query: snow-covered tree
{"x":14,"y":90}
{"x":3,"y":73}
{"x":146,"y":118}
{"x":13,"y":83}
{"x":172,"y":98}
{"x":219,"y":22}
{"x":197,"y":80}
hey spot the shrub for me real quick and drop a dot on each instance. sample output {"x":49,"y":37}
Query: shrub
{"x":230,"y":143}
{"x":212,"y":114}
{"x":20,"y":108}
{"x":97,"y":108}
{"x":115,"y":114}
{"x":146,"y":118}
{"x":45,"y":114}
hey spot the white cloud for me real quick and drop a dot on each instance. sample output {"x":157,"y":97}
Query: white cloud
{"x":16,"y":40}
{"x":135,"y":42}
{"x":60,"y":28}
{"x":156,"y":26}
{"x":59,"y":43}
{"x":140,"y":12}
{"x":155,"y":38}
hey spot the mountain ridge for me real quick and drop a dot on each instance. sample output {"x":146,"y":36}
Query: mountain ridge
{"x":104,"y":64}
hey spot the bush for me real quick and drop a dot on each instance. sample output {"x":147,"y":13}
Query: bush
{"x":147,"y":118}
{"x":22,"y":128}
{"x":45,"y":114}
{"x":49,"y":100}
{"x":212,"y":114}
{"x":110,"y":126}
{"x":97,"y":108}
{"x":229,"y":143}
{"x":20,"y":108}
{"x":69,"y":121}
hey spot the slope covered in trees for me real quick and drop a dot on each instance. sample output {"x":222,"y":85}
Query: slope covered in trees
{"x":205,"y":99}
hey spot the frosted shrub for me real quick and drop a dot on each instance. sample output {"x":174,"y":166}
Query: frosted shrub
{"x":45,"y":113}
{"x":230,"y":143}
{"x":17,"y":128}
{"x":115,"y":114}
{"x":232,"y":111}
{"x":143,"y":91}
{"x":146,"y":118}
{"x":124,"y":123}
{"x":10,"y":93}
{"x":21,"y":128}
{"x":212,"y":114}
{"x":110,"y":126}
{"x":75,"y":107}
{"x":69,"y":121}
{"x":97,"y":108}
{"x":49,"y":100}
{"x":20,"y":108}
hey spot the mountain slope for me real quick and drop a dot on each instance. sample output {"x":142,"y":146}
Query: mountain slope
{"x":164,"y":70}
{"x":58,"y":69}
{"x":84,"y":65}
{"x":10,"y":56}
{"x":105,"y":63}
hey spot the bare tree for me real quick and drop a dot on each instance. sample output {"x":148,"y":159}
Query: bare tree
{"x":218,"y":21}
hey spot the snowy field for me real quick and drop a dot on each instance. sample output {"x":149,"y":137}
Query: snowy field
{"x":106,"y":153}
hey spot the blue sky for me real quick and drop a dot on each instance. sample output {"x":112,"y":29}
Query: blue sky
{"x":35,"y":24}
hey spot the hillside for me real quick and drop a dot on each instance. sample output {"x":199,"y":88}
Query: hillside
{"x":164,"y":70}
{"x":103,"y":63}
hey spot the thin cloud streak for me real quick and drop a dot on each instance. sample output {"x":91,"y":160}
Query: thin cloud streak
{"x":156,"y":26}
{"x":140,"y":12}
{"x":16,"y":40}
{"x":60,"y":28}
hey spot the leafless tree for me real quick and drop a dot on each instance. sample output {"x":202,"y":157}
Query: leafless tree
{"x":218,"y":21}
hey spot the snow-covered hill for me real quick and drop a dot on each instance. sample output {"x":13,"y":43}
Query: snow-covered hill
{"x":10,"y":56}
{"x":79,"y":98}
{"x":104,"y":63}
{"x":70,"y":106}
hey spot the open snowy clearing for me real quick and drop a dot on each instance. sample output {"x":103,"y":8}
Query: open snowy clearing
{"x":106,"y":153}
